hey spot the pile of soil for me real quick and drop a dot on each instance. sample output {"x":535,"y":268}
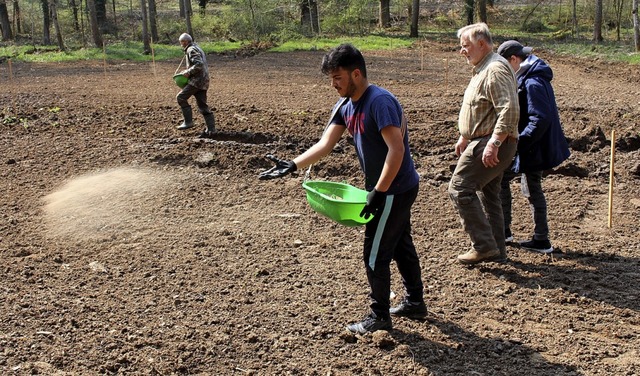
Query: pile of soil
{"x":128,"y":247}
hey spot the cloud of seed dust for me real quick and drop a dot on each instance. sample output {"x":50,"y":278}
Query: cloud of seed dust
{"x":109,"y":204}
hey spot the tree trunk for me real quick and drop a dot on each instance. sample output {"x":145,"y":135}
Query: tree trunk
{"x":574,"y":19}
{"x":305,"y":16}
{"x":469,"y":8}
{"x":56,"y":24}
{"x":187,"y":15}
{"x":415,"y":18}
{"x":46,"y":23}
{"x":482,"y":10}
{"x":153,"y":20}
{"x":185,"y":8}
{"x":17,"y":17}
{"x":115,"y":18}
{"x":385,"y":15}
{"x":597,"y":24}
{"x":93,"y":22}
{"x":145,"y":32}
{"x":636,"y":25}
{"x":309,"y":16}
{"x":618,"y":5}
{"x":101,"y":14}
{"x":82,"y":23}
{"x":252,"y":11}
{"x":315,"y":16}
{"x":4,"y":21}
{"x":74,"y":8}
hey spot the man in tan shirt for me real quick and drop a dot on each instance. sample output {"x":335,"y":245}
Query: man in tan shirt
{"x":488,"y":125}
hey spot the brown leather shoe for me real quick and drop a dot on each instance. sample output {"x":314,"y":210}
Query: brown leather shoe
{"x":474,"y":257}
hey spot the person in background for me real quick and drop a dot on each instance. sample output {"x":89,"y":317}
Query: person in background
{"x":198,"y":74}
{"x":488,"y":125}
{"x":542,"y":144}
{"x":376,"y":121}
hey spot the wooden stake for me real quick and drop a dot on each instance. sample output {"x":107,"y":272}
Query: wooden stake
{"x":611,"y":175}
{"x":446,"y":74}
{"x":153,"y":58}
{"x":13,"y":100}
{"x":104,"y":59}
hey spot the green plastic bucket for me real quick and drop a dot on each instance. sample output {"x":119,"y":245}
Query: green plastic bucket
{"x":337,"y":201}
{"x":180,"y":80}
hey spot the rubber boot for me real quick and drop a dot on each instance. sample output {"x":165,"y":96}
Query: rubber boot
{"x":187,"y":114}
{"x":210,"y":121}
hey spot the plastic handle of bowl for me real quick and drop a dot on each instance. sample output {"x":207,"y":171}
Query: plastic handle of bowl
{"x":177,"y":69}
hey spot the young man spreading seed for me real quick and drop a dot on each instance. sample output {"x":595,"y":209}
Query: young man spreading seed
{"x":375,"y":120}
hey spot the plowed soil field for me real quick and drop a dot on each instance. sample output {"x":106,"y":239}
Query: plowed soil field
{"x":129,"y":248}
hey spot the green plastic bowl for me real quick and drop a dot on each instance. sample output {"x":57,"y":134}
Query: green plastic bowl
{"x":337,"y":201}
{"x":180,"y":80}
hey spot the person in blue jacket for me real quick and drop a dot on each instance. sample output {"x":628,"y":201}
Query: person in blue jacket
{"x":541,"y":145}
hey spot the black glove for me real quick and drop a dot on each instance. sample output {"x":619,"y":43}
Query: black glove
{"x":375,"y":202}
{"x":281,"y":169}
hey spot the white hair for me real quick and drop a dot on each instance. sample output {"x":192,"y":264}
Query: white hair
{"x":476,"y":32}
{"x":186,"y":37}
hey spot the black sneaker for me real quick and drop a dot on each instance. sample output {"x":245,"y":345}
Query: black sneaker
{"x":370,"y":324}
{"x":409,"y":309}
{"x":540,"y":246}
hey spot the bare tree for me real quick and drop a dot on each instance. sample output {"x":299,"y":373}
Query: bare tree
{"x":309,"y":16}
{"x":74,"y":8}
{"x":597,"y":24}
{"x":186,"y":5}
{"x":101,"y":15}
{"x":56,"y":24}
{"x":4,"y":21}
{"x":482,"y":10}
{"x":636,"y":25}
{"x":618,"y":5}
{"x":384,"y":19}
{"x":186,"y":9}
{"x":17,"y":17}
{"x":46,"y":23}
{"x":115,"y":18}
{"x":469,"y":9}
{"x":145,"y":32}
{"x":93,"y":22}
{"x":415,"y":18}
{"x":153,"y":20}
{"x":574,"y":18}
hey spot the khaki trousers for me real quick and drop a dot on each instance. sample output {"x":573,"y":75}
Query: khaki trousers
{"x":475,"y":192}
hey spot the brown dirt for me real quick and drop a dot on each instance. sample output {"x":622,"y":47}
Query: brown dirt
{"x":130,"y":248}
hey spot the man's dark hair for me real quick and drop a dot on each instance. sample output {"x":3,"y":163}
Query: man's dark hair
{"x":344,"y":56}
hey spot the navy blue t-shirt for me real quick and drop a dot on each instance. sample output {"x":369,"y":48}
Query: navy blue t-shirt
{"x":364,"y":119}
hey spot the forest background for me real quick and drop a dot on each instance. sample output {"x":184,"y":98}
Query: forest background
{"x":37,"y":30}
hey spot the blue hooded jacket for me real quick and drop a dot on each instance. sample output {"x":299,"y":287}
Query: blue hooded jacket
{"x":542,"y":144}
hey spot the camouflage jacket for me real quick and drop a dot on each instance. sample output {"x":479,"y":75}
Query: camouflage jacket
{"x":197,"y":68}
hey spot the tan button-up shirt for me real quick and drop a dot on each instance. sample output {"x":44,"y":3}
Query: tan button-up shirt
{"x":490,"y":103}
